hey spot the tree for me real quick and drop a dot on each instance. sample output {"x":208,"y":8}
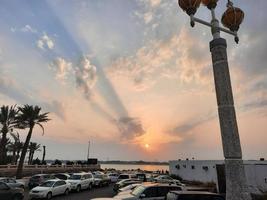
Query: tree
{"x":57,"y":162}
{"x":44,"y":152}
{"x":8,"y":122}
{"x":15,"y":147}
{"x":28,"y":117}
{"x":33,"y":146}
{"x":36,"y":161}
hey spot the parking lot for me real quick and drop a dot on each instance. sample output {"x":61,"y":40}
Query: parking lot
{"x":85,"y":194}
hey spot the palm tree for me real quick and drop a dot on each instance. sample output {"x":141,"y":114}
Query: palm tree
{"x":7,"y":120}
{"x":33,"y":146}
{"x":28,"y":117}
{"x":44,"y":152}
{"x":15,"y":147}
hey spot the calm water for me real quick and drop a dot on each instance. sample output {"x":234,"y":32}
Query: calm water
{"x":129,"y":167}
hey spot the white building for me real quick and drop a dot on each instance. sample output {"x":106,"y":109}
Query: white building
{"x":213,"y":171}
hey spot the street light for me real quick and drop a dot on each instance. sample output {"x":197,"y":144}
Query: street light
{"x":236,"y":186}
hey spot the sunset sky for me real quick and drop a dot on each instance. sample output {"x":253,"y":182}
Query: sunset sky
{"x":131,"y":76}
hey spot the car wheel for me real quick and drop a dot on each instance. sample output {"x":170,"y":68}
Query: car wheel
{"x":78,"y":189}
{"x":90,"y":186}
{"x":49,"y":195}
{"x":66,"y":192}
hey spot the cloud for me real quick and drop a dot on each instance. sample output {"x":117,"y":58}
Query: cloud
{"x":86,"y":76}
{"x":45,"y":42}
{"x":61,"y":67}
{"x":28,"y":28}
{"x":174,"y":58}
{"x":191,"y":124}
{"x":130,"y":128}
{"x":12,"y":89}
{"x":155,"y":3}
{"x":148,"y":17}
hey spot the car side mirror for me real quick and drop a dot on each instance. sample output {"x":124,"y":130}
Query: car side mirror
{"x":142,"y":196}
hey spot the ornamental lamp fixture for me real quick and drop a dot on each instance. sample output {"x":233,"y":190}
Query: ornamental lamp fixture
{"x":189,"y":6}
{"x":211,"y":4}
{"x":232,"y":18}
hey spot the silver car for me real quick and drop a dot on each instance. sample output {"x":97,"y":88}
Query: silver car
{"x":12,"y":182}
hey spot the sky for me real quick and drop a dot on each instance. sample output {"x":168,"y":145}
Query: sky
{"x":131,"y":76}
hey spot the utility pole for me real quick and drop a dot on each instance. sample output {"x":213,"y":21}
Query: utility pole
{"x":88,"y":152}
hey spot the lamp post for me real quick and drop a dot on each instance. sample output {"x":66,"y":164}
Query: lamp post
{"x":236,"y":186}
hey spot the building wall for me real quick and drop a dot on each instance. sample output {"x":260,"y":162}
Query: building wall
{"x":205,"y":171}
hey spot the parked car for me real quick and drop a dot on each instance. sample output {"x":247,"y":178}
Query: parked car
{"x":141,"y":176}
{"x":97,"y":173}
{"x":12,"y":182}
{"x":10,"y":193}
{"x":62,"y":176}
{"x":167,"y":179}
{"x":124,"y":183}
{"x":101,"y":180}
{"x":128,"y":188}
{"x":126,"y":176}
{"x":113,"y":177}
{"x":80,"y":181}
{"x":38,"y":179}
{"x":50,"y":188}
{"x":149,"y":191}
{"x":193,"y":195}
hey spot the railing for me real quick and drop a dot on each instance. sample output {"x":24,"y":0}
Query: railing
{"x":10,"y":170}
{"x":4,"y":167}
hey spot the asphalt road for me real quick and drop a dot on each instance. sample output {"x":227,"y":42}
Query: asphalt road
{"x":85,"y":194}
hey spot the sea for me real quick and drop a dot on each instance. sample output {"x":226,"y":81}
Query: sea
{"x":135,"y":167}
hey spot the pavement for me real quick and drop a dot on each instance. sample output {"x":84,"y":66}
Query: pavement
{"x":85,"y":194}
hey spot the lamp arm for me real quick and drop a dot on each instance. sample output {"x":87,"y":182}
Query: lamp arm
{"x":200,"y":21}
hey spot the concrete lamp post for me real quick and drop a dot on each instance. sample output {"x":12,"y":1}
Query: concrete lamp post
{"x":236,"y":186}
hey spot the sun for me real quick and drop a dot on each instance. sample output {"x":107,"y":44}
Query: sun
{"x":147,"y":146}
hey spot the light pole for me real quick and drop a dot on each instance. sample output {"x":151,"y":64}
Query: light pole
{"x":88,"y":150}
{"x":236,"y":186}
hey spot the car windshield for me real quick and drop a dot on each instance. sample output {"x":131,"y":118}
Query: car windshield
{"x":138,"y":191}
{"x":35,"y":177}
{"x":123,"y":176}
{"x":98,"y":176}
{"x":47,"y":184}
{"x":75,"y":177}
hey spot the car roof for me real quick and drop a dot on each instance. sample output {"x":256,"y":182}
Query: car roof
{"x":195,"y":192}
{"x":149,"y":184}
{"x":82,"y":173}
{"x":40,"y":174}
{"x":54,"y":180}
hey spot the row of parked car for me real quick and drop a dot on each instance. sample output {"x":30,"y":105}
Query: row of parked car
{"x":135,"y":186}
{"x":49,"y":185}
{"x":160,"y":187}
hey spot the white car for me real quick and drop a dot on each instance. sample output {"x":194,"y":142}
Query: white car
{"x":80,"y":181}
{"x":113,"y":177}
{"x":168,"y":179}
{"x":126,"y":176}
{"x":128,"y":189}
{"x":49,"y":189}
{"x":148,"y":191}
